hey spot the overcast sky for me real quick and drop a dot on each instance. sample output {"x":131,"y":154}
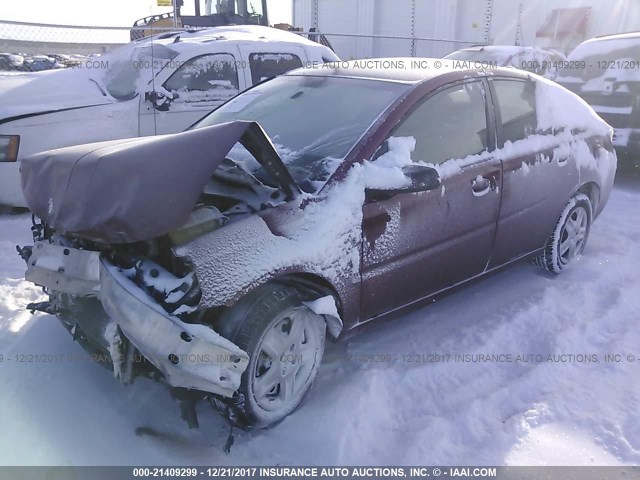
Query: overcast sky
{"x":117,"y":13}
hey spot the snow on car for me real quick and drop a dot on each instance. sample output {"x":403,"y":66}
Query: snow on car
{"x":605,"y":71}
{"x":11,"y":62}
{"x":227,"y":261}
{"x":152,"y":86}
{"x":531,"y":59}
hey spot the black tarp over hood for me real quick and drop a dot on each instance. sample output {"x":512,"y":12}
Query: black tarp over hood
{"x":138,"y":189}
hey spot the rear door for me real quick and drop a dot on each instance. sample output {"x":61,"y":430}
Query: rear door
{"x":417,"y":244}
{"x":538,"y":174}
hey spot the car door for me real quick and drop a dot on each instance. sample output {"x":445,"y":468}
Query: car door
{"x":200,"y":84}
{"x":270,"y":59}
{"x":537,"y":175}
{"x":417,"y":244}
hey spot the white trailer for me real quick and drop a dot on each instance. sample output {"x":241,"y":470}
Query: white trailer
{"x":433,"y":28}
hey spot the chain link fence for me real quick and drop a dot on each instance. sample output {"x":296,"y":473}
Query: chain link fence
{"x":353,"y":46}
{"x":30,"y":47}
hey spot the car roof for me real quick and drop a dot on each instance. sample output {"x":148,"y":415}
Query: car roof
{"x":410,"y":70}
{"x":182,"y":39}
{"x":618,"y":36}
{"x":605,"y":45}
{"x":497,"y":48}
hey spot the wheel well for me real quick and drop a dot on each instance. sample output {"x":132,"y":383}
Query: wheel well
{"x":311,"y":283}
{"x":592,"y":191}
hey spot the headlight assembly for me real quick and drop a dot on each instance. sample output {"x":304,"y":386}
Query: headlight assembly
{"x":9,"y":145}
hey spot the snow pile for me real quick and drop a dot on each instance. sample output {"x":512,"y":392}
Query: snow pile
{"x":324,"y":306}
{"x":386,"y":170}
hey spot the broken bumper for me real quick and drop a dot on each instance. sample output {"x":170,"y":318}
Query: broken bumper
{"x":188,"y":355}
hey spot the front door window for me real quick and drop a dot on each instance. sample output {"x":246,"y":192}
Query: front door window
{"x":207,"y":78}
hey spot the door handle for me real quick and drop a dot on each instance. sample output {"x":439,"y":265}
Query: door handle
{"x":481,"y":186}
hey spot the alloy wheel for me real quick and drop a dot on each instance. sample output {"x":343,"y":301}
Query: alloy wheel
{"x":573,"y":235}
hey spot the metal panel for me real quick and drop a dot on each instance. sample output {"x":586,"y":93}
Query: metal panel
{"x":436,"y":19}
{"x":393,"y":18}
{"x":475,"y":21}
{"x":64,"y":269}
{"x":471,"y":20}
{"x":338,"y":16}
{"x":302,"y":14}
{"x":365,"y":21}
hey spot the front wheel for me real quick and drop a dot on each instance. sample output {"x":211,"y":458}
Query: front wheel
{"x":569,"y":237}
{"x":285,"y":342}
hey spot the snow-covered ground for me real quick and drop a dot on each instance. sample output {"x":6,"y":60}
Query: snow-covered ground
{"x":73,"y":412}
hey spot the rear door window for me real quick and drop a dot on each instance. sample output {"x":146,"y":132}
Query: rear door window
{"x":267,"y":65}
{"x":516,"y":105}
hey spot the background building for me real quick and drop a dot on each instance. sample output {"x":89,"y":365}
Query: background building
{"x":447,"y":25}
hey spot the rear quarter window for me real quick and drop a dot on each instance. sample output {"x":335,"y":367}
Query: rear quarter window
{"x":267,"y":65}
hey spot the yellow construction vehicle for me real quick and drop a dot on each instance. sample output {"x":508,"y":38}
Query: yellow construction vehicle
{"x":216,"y":13}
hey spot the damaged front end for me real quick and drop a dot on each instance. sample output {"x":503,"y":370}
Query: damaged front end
{"x":188,"y":355}
{"x":107,"y":256}
{"x":136,"y":316}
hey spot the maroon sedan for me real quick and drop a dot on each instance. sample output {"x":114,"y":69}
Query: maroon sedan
{"x":217,"y":260}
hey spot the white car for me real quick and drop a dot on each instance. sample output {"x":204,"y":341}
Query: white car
{"x":605,"y":72}
{"x":152,"y":86}
{"x":537,"y":60}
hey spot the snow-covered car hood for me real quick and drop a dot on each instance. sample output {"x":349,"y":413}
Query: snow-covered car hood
{"x":34,"y":93}
{"x":126,"y":191}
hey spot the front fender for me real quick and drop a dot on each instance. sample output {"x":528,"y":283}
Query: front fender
{"x":234,"y":260}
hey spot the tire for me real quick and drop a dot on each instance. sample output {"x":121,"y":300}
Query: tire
{"x":569,"y":236}
{"x":285,"y":342}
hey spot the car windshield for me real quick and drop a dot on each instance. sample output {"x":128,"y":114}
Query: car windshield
{"x":131,"y":67}
{"x":313,"y":121}
{"x":602,"y":58}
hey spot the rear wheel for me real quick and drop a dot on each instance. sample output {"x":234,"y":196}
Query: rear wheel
{"x":569,"y":237}
{"x":285,"y":342}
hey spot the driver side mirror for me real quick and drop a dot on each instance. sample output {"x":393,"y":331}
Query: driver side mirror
{"x":422,"y":179}
{"x":160,"y":99}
